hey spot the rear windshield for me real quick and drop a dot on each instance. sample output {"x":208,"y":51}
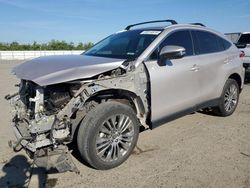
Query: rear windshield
{"x":244,"y":39}
{"x":124,"y":45}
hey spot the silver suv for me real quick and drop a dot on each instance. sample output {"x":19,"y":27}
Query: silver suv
{"x":132,"y":80}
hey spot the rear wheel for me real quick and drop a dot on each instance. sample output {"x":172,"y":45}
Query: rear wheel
{"x":229,"y":99}
{"x":108,"y":135}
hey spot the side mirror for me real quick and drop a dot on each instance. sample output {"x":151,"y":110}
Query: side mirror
{"x":172,"y":52}
{"x":240,"y":45}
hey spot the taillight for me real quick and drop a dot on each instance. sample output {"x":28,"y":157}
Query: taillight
{"x":242,"y":54}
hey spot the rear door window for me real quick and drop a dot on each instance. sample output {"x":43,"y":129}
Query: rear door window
{"x":206,"y":42}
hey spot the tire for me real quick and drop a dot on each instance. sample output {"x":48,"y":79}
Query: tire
{"x":108,"y":135}
{"x":229,"y":99}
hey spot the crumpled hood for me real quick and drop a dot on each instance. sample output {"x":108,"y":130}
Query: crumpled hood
{"x":62,"y":68}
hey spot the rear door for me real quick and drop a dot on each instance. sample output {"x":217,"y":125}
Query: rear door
{"x":174,"y":86}
{"x":212,"y":62}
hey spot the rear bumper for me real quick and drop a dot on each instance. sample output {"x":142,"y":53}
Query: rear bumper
{"x":246,"y":59}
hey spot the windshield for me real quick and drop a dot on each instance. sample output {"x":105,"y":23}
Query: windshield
{"x":124,"y":45}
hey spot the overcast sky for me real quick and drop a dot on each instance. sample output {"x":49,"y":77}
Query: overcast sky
{"x":91,"y":20}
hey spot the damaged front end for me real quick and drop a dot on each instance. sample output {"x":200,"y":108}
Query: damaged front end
{"x":38,"y":125}
{"x":45,"y":117}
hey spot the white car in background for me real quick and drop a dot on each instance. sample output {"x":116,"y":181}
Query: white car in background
{"x":242,"y":41}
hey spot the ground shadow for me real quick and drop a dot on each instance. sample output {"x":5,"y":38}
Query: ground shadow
{"x":18,"y":172}
{"x":247,"y":80}
{"x":208,"y":112}
{"x":76,"y":154}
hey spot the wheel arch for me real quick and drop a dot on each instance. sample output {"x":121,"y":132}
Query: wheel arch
{"x":120,"y":95}
{"x":237,"y":78}
{"x":124,"y":96}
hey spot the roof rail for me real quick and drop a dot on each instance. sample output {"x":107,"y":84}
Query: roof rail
{"x":171,"y":21}
{"x":200,"y":24}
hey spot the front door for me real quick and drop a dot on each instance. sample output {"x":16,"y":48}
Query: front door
{"x":174,"y":86}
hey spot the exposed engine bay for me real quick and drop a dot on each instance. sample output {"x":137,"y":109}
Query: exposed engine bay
{"x":45,"y":118}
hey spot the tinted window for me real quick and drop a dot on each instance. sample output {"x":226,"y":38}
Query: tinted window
{"x":223,"y":43}
{"x":244,"y":39}
{"x":206,"y":42}
{"x":180,"y":38}
{"x":220,"y":44}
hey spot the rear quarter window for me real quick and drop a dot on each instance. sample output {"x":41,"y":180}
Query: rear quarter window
{"x":206,"y":42}
{"x":224,"y":44}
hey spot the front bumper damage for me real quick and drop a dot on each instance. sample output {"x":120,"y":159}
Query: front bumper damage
{"x":44,"y":138}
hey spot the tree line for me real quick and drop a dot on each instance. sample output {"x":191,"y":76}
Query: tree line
{"x":52,"y":45}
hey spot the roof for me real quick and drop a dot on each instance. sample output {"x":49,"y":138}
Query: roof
{"x":163,"y":27}
{"x":172,"y":23}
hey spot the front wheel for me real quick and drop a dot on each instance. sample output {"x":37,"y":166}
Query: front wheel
{"x":229,"y":99}
{"x":108,"y":135}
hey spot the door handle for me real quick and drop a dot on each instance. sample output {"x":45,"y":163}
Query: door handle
{"x":195,"y":68}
